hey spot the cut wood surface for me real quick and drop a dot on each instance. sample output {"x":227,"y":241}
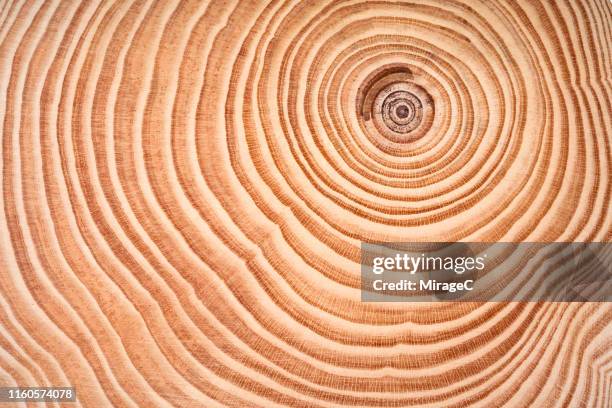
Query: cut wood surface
{"x":186,"y":184}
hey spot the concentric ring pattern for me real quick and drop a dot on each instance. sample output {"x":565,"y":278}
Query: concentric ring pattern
{"x":185,"y":186}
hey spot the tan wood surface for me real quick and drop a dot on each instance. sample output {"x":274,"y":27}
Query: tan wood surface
{"x":185,"y":186}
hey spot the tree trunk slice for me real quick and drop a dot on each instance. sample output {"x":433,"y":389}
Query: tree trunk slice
{"x":185,"y":186}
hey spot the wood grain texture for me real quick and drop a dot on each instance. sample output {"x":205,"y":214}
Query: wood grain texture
{"x":185,"y":185}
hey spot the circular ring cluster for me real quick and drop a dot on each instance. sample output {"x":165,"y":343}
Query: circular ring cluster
{"x":401,"y":110}
{"x":394,"y":106}
{"x":186,"y":185}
